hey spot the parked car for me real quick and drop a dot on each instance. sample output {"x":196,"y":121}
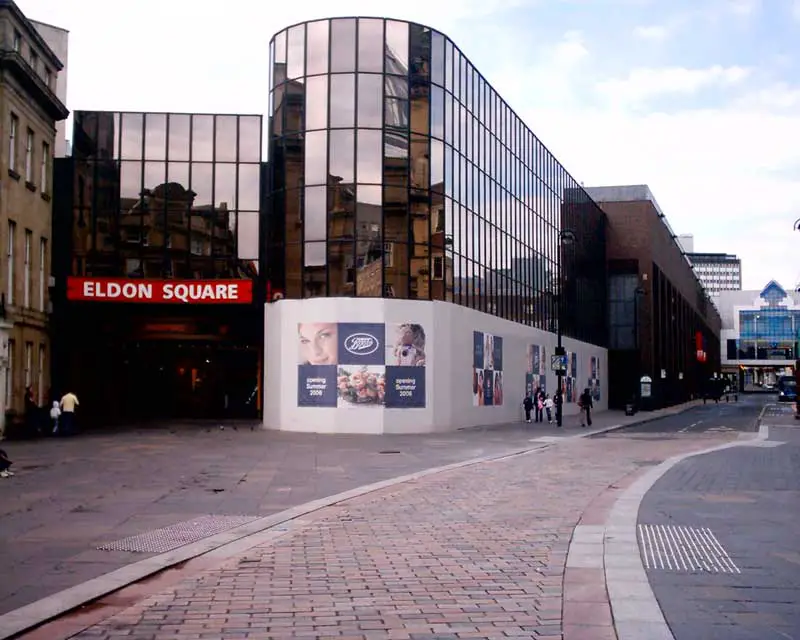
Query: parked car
{"x":787,"y":389}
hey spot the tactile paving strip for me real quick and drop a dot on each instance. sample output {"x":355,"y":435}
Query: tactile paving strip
{"x":177,"y":535}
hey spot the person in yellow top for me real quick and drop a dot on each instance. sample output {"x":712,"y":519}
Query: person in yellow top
{"x":67,"y":419}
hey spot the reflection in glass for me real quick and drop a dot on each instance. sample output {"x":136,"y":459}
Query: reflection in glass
{"x":178,"y":172}
{"x":437,"y":112}
{"x":247,"y":235}
{"x":341,"y":269}
{"x":448,"y":65}
{"x":343,"y":50}
{"x":437,"y":58}
{"x":369,"y":149}
{"x":317,"y":103}
{"x":396,"y":120}
{"x":396,"y":47}
{"x":317,"y":43}
{"x":203,"y":184}
{"x":437,"y":166}
{"x":315,"y":214}
{"x":155,"y":140}
{"x":203,"y":138}
{"x":315,"y":256}
{"x":249,"y":186}
{"x":370,"y":45}
{"x":131,"y":147}
{"x":295,"y":54}
{"x":225,"y":186}
{"x":343,"y":100}
{"x":370,"y":100}
{"x":130,"y":182}
{"x":420,"y":161}
{"x":227,"y":136}
{"x":280,"y":48}
{"x":179,"y":132}
{"x":341,"y":211}
{"x":249,"y":138}
{"x":343,"y":155}
{"x":316,"y":160}
{"x":154,"y":174}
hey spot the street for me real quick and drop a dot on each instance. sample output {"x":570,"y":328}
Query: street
{"x":481,"y":551}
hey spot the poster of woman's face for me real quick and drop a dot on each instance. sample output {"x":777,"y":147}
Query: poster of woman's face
{"x":477,"y":388}
{"x":405,"y":345}
{"x":318,"y":343}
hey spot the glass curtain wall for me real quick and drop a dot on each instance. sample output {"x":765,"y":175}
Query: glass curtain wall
{"x":397,"y":171}
{"x":160,"y":195}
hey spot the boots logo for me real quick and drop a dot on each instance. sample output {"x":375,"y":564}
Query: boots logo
{"x":361,"y":344}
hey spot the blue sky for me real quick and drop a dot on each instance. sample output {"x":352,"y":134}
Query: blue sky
{"x":699,"y":99}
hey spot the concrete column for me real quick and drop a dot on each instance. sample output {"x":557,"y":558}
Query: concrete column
{"x":5,"y":329}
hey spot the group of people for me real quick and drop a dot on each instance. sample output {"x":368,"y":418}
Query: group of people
{"x":541,"y":404}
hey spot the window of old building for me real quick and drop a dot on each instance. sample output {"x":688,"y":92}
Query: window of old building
{"x":45,"y":177}
{"x":42,"y":272}
{"x":12,"y":240}
{"x":29,"y":156}
{"x":26,"y":286}
{"x":12,"y":143}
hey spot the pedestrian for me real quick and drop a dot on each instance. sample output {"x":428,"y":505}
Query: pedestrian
{"x":548,"y":407}
{"x":5,"y":465}
{"x":558,"y":402}
{"x":55,"y":414}
{"x":586,"y":405}
{"x":540,"y":405}
{"x":31,"y":414}
{"x":527,"y":405}
{"x":67,"y":419}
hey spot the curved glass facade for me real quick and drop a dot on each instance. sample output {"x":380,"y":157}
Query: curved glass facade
{"x":395,"y":170}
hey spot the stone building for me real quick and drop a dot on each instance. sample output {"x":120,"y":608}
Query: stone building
{"x":29,"y":112}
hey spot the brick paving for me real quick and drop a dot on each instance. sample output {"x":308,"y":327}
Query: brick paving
{"x":478,"y":552}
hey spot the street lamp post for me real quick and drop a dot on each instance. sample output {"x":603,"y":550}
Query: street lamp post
{"x":565,"y":237}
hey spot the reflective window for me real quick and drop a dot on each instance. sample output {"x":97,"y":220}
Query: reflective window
{"x":317,"y":102}
{"x":250,"y":138}
{"x":249,"y":186}
{"x":437,"y":58}
{"x":132,"y":136}
{"x":437,"y":112}
{"x":369,"y":154}
{"x":155,"y":174}
{"x":343,"y":151}
{"x":130,"y":178}
{"x":317,"y":44}
{"x":370,"y":100}
{"x":296,"y":53}
{"x":315,"y":213}
{"x":343,"y":100}
{"x":226,"y":137}
{"x":437,"y":166}
{"x":178,"y":172}
{"x":203,"y":185}
{"x":343,"y":45}
{"x":225,"y":186}
{"x":155,"y":140}
{"x":315,"y":256}
{"x":370,"y":45}
{"x":448,"y":65}
{"x":180,"y":127}
{"x":247,"y":235}
{"x":316,"y":160}
{"x":280,"y":48}
{"x":396,"y":47}
{"x":203,"y":138}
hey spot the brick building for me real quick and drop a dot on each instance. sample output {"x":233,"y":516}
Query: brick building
{"x":662,"y":323}
{"x":29,"y":111}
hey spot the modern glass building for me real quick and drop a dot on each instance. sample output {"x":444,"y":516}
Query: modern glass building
{"x":397,"y":171}
{"x":149,"y":200}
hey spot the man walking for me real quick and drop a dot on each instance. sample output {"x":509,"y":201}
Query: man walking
{"x":67,"y":419}
{"x":527,"y":405}
{"x":586,"y":405}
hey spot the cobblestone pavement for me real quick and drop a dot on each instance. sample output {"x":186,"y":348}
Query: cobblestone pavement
{"x":749,"y":497}
{"x":477,"y":552}
{"x":71,"y":495}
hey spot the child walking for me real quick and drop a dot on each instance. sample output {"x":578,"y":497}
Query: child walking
{"x":55,"y":413}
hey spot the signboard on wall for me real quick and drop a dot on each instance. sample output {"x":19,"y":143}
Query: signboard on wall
{"x":487,"y":370}
{"x":138,"y":290}
{"x":350,"y":364}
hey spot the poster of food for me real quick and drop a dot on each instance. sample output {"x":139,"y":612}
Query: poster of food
{"x":353,"y":364}
{"x":535,"y":372}
{"x":487,"y":370}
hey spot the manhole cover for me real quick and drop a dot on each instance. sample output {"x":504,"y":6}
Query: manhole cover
{"x":684,"y":549}
{"x":177,"y":535}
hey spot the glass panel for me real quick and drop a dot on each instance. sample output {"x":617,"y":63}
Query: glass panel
{"x":437,"y":165}
{"x":203,"y":138}
{"x":369,"y":156}
{"x":225,"y":186}
{"x":396,"y":116}
{"x":420,"y":266}
{"x":315,"y":256}
{"x":227,"y":135}
{"x":369,"y":245}
{"x":420,"y":161}
{"x":343,"y":100}
{"x":370,"y":45}
{"x":395,"y":160}
{"x":317,"y":103}
{"x":370,"y":100}
{"x":132,"y":124}
{"x":396,"y":47}
{"x":437,"y":112}
{"x":154,"y":174}
{"x":155,"y":141}
{"x":343,"y":155}
{"x":249,"y":138}
{"x":341,"y":269}
{"x":178,"y":172}
{"x":420,"y":60}
{"x":295,"y":55}
{"x":420,"y":110}
{"x":317,"y":42}
{"x":343,"y":45}
{"x":370,"y":211}
{"x":341,"y":211}
{"x":202,"y":185}
{"x":437,"y":58}
{"x":249,"y":186}
{"x":316,"y":214}
{"x":316,"y":160}
{"x":179,"y":131}
{"x":280,"y":48}
{"x":448,"y":65}
{"x":247,"y":235}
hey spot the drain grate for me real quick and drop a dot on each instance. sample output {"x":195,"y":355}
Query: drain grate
{"x":177,"y":535}
{"x":677,"y":548}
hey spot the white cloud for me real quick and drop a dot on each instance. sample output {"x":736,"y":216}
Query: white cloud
{"x":643,"y":84}
{"x":652,"y":33}
{"x":571,"y":50}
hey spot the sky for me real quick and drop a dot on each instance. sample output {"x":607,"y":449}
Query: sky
{"x":699,"y":99}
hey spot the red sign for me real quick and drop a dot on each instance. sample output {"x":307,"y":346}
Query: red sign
{"x":160,"y":291}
